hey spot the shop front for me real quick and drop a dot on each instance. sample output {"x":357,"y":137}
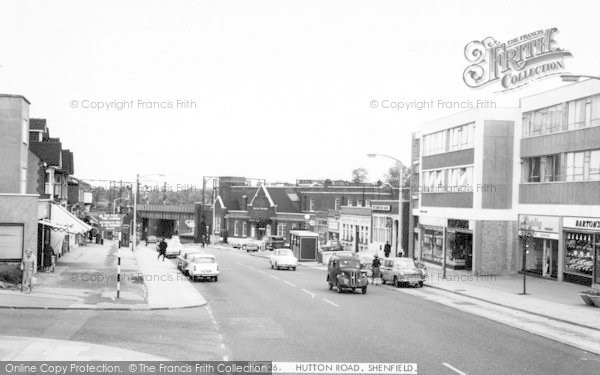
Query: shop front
{"x":459,"y":244}
{"x":542,"y":252}
{"x":582,"y":250}
{"x":432,"y":239}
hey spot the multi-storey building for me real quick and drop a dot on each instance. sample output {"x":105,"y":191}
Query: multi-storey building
{"x":559,"y":183}
{"x":18,"y":205}
{"x":464,"y":191}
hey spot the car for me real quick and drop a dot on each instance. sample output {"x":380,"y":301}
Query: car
{"x":151,"y":239}
{"x":252,"y":246}
{"x":203,"y":266}
{"x":344,"y":272}
{"x":236,"y":245}
{"x":174,"y":247}
{"x":182,"y":259}
{"x":333,"y":245}
{"x":403,"y":271}
{"x":283,"y":258}
{"x":274,"y":242}
{"x":366,"y":261}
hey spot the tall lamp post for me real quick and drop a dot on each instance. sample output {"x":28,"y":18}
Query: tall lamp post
{"x":526,"y":234}
{"x":135,"y":194}
{"x":400,"y":189}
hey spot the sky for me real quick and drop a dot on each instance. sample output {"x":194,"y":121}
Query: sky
{"x":280,"y":90}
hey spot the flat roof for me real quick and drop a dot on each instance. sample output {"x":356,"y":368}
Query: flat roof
{"x":15,"y":96}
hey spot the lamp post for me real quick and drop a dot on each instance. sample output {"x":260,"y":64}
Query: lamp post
{"x":526,"y":234}
{"x":135,"y":193}
{"x":400,"y":189}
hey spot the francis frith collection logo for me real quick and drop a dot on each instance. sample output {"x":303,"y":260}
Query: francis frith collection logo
{"x":514,"y":63}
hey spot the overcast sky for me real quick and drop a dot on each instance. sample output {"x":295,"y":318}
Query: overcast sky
{"x":282,"y":89}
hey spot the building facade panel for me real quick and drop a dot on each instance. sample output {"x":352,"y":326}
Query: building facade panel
{"x":569,"y":141}
{"x":458,"y":200}
{"x":570,"y":193}
{"x":448,"y":159}
{"x":497,"y":172}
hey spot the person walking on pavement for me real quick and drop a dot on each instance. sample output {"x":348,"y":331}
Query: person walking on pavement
{"x":387,"y":249}
{"x":28,"y":266}
{"x":375,"y":269}
{"x":162,"y":249}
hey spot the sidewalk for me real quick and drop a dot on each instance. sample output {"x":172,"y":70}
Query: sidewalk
{"x":34,"y":349}
{"x":86,"y":278}
{"x":547,"y":298}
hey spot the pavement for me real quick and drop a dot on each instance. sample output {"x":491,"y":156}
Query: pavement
{"x":14,"y":348}
{"x":86,"y":278}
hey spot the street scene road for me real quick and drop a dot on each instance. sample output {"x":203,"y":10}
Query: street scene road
{"x":255,"y":312}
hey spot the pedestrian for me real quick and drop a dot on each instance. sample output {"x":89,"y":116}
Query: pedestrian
{"x":29,"y":267}
{"x":387,"y":249}
{"x":375,"y":269}
{"x":162,"y":249}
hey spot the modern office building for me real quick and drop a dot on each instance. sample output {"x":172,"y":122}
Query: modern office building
{"x":464,"y":191}
{"x":559,"y":184}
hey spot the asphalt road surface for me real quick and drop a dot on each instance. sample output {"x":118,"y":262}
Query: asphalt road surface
{"x":257,"y":313}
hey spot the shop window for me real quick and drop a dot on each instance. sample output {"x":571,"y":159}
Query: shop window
{"x":236,"y":228}
{"x":349,"y":202}
{"x":311,"y":205}
{"x":579,"y":253}
{"x":595,"y":165}
{"x":533,"y":173}
{"x":551,"y":168}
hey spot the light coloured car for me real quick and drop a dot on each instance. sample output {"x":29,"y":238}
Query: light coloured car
{"x":151,"y":239}
{"x":252,"y":246}
{"x":174,"y":247}
{"x":182,"y":259}
{"x":366,"y":261}
{"x":402,"y":271}
{"x":203,"y":266}
{"x":283,"y":258}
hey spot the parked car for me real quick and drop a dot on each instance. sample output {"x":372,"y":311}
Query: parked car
{"x":366,"y":261}
{"x":344,"y":272}
{"x":182,"y":259}
{"x":283,"y":258}
{"x":203,"y":266}
{"x":151,"y":239}
{"x":332,"y":246}
{"x":274,"y":242}
{"x":403,"y":271}
{"x":236,"y":245}
{"x":253,"y":246}
{"x":174,"y":247}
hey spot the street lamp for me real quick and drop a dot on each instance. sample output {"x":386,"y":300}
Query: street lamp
{"x":135,"y":194}
{"x":400,"y":189}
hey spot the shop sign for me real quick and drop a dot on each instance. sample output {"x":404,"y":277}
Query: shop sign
{"x":457,"y":223}
{"x":381,"y":207}
{"x":542,"y":226}
{"x":432,"y":221}
{"x":334,"y":225}
{"x":588,"y":223}
{"x":110,"y":221}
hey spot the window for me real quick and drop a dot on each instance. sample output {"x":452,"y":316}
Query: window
{"x":23,"y":180}
{"x":336,"y":204}
{"x":368,"y":202}
{"x":236,"y":229}
{"x":533,"y":173}
{"x":575,"y":166}
{"x":311,"y":205}
{"x":349,"y":202}
{"x":281,"y":228}
{"x":244,"y":229}
{"x":358,"y":203}
{"x":595,"y":165}
{"x":550,"y":168}
{"x":218,"y":224}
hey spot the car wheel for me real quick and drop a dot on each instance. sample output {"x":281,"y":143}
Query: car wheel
{"x":216,"y":278}
{"x":364,"y":290}
{"x":293,"y":268}
{"x":353,"y":290}
{"x":420,"y":284}
{"x":396,"y":284}
{"x":272,"y":266}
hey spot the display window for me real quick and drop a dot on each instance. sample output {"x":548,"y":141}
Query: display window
{"x":579,"y":254}
{"x":432,"y":247}
{"x":458,"y":249}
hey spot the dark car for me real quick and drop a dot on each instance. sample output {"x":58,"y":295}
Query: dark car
{"x":274,"y":242}
{"x":345,"y":272}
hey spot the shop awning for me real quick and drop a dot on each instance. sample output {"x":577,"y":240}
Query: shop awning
{"x":59,"y":215}
{"x":53,"y":225}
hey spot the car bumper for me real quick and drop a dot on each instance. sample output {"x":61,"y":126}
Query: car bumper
{"x":411,"y":280}
{"x":359,"y":283}
{"x":203,"y":274}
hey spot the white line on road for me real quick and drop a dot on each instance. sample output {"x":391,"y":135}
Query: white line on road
{"x":454,"y":369}
{"x":329,"y":302}
{"x":275,"y":277}
{"x":288,"y":283}
{"x":311,"y":294}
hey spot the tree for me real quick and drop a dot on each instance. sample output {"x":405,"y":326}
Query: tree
{"x":398,"y":175}
{"x":359,"y":175}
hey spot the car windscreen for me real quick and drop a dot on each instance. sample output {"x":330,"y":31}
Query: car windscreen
{"x":285,"y":253}
{"x":204,"y":260}
{"x":404,"y":263}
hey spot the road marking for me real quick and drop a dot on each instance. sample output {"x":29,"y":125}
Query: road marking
{"x":454,"y":369}
{"x":288,"y":283}
{"x":275,"y":277}
{"x":306,"y":291}
{"x":329,"y":302}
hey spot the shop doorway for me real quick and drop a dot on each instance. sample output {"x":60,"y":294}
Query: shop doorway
{"x":550,"y":265}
